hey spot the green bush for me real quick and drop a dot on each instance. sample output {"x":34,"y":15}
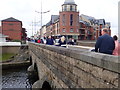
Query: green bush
{"x":16,"y":40}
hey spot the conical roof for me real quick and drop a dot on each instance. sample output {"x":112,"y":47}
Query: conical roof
{"x":11,"y":19}
{"x":69,"y":2}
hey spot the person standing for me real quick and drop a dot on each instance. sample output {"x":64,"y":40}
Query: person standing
{"x":71,"y":41}
{"x":62,"y":41}
{"x":105,"y":43}
{"x":116,"y":51}
{"x":39,"y":41}
{"x":50,"y":41}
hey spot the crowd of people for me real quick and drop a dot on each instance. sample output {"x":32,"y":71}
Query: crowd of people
{"x":59,"y":41}
{"x":104,"y":44}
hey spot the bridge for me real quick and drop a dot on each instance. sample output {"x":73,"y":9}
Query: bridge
{"x":60,"y":67}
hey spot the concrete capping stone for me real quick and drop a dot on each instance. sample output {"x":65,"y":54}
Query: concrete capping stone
{"x":87,"y":42}
{"x":104,"y":61}
{"x":10,"y":44}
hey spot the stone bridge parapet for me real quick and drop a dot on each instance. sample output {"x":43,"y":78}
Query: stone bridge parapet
{"x":71,"y":68}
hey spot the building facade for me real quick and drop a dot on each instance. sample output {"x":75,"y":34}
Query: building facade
{"x":90,"y":28}
{"x":13,"y":29}
{"x":69,"y":24}
{"x":69,"y":19}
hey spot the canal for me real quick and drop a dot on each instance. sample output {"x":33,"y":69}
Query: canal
{"x":17,"y":78}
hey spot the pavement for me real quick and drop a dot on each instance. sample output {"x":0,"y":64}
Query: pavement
{"x":80,"y":47}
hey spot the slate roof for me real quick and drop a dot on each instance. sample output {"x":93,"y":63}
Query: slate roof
{"x":11,"y":19}
{"x":87,"y":17}
{"x":84,"y":22}
{"x":48,"y":24}
{"x":94,"y":21}
{"x":53,"y":19}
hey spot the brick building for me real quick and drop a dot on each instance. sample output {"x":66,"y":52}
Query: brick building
{"x":66,"y":23}
{"x":13,"y":29}
{"x":69,"y":19}
{"x":90,"y":28}
{"x":70,"y":24}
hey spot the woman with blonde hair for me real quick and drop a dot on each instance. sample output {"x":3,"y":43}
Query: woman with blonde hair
{"x":62,"y":41}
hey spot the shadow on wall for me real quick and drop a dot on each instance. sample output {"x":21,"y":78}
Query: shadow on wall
{"x":46,"y":86}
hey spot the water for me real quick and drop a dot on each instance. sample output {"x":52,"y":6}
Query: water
{"x":16,"y":78}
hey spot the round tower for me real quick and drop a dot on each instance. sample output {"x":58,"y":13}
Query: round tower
{"x":69,"y":19}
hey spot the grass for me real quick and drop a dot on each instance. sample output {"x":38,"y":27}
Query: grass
{"x":6,"y":56}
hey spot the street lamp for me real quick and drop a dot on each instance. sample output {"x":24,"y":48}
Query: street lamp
{"x":41,"y":20}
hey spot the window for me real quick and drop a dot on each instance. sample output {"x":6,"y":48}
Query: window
{"x":63,"y":20}
{"x":71,"y":8}
{"x":77,"y":21}
{"x":77,"y":30}
{"x":71,"y":19}
{"x":65,"y":8}
{"x":11,"y":24}
{"x":71,"y":30}
{"x":63,"y":30}
{"x":75,"y":8}
{"x":71,"y":23}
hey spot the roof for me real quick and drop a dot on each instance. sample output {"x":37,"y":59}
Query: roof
{"x":93,"y":20}
{"x":54,"y":18}
{"x":69,"y":2}
{"x":48,"y":24}
{"x":11,"y":19}
{"x":108,"y":23}
{"x":87,"y":17}
{"x":84,"y":22}
{"x":90,"y":20}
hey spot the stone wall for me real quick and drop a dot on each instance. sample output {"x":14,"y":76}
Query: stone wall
{"x":69,"y":68}
{"x":86,"y":43}
{"x":10,"y":49}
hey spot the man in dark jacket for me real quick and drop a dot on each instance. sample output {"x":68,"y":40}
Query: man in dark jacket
{"x":105,"y":44}
{"x":50,"y":41}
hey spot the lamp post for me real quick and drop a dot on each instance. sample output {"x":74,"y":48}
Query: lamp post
{"x":41,"y":18}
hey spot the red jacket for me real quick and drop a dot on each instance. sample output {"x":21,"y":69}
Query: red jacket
{"x":38,"y":41}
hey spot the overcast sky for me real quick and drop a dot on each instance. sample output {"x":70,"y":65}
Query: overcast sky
{"x":24,"y":10}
